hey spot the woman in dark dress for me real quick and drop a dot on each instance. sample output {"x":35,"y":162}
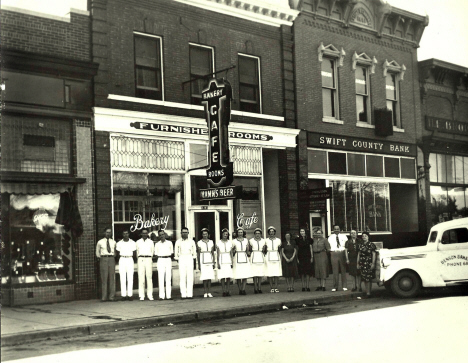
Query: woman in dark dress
{"x":304,"y":255}
{"x":289,"y":257}
{"x":366,"y":261}
{"x":352,"y":248}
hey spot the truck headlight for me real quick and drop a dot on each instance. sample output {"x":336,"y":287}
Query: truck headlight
{"x":386,"y":262}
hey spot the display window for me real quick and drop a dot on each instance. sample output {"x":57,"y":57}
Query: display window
{"x":39,"y":249}
{"x":248,"y":212}
{"x":145,"y":200}
{"x":360,"y":206}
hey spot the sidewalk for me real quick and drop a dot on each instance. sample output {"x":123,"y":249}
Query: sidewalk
{"x":77,"y":318}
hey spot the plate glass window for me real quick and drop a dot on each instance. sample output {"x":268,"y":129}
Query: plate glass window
{"x":201,"y":68}
{"x":329,"y":93}
{"x":249,"y":84}
{"x":362,"y":94}
{"x":148,"y":67}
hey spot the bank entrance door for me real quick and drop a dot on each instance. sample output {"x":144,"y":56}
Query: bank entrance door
{"x":214,"y":220}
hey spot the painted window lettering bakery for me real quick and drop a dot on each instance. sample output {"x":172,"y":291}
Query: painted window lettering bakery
{"x":359,"y":144}
{"x":160,"y":222}
{"x":196,"y":131}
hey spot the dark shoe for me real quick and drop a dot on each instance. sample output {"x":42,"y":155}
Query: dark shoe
{"x":255,"y":291}
{"x":292,"y":289}
{"x":303,"y":289}
{"x":308,"y":289}
{"x":318,"y":288}
{"x":260,"y":292}
{"x":354,"y":289}
{"x":323,"y":288}
{"x":360,"y":290}
{"x":103,"y":300}
{"x":130,"y":298}
{"x":244,"y":293}
{"x":224,"y":294}
{"x":228,"y":293}
{"x":191,"y":297}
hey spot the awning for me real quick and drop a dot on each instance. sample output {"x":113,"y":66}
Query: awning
{"x":34,"y":188}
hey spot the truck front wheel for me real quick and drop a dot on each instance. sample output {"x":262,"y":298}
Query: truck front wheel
{"x":406,"y":284}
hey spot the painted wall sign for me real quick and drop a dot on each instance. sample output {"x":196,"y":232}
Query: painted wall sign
{"x":447,"y":126}
{"x":217,"y":101}
{"x":152,"y":222}
{"x":327,"y":141}
{"x":231,"y":192}
{"x":248,"y":222}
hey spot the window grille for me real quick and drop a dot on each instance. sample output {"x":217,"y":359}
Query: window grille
{"x":148,"y":154}
{"x":247,"y":160}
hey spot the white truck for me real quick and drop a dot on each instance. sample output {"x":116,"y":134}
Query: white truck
{"x":443,"y":261}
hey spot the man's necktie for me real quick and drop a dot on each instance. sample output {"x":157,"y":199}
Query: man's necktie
{"x":108,"y":246}
{"x":338,"y":241}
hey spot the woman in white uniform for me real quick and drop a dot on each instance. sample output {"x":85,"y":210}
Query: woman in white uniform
{"x":257,"y":259}
{"x":224,"y":249}
{"x":242,"y":267}
{"x":205,"y":256}
{"x":273,"y":260}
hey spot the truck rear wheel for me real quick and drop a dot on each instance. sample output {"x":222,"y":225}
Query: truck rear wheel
{"x":406,"y":284}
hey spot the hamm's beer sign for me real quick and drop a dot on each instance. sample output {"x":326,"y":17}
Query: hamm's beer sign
{"x":217,"y":101}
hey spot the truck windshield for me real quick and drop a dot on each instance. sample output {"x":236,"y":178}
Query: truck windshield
{"x":433,"y":236}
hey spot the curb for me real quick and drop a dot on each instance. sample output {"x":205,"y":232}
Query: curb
{"x":85,"y":330}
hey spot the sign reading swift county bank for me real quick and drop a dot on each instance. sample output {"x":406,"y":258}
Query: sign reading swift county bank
{"x":339,"y":142}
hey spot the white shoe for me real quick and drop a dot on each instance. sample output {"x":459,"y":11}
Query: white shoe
{"x":142,"y":298}
{"x":333,"y":290}
{"x":345,"y":289}
{"x":209,"y":295}
{"x":206,"y":295}
{"x":150,"y":298}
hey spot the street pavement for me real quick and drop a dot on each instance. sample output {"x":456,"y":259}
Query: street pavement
{"x":22,"y":324}
{"x":431,"y":330}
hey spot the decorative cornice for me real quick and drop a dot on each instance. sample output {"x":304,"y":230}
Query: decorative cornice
{"x":274,"y":14}
{"x":393,"y":66}
{"x":331,"y":51}
{"x":363,"y":58}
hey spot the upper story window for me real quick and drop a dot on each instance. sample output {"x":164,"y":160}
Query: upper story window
{"x":249,"y":84}
{"x":201,"y":65}
{"x":148,"y":67}
{"x":393,"y":73}
{"x":363,"y":66}
{"x":329,"y":88}
{"x":362,"y":94}
{"x":392,"y":96}
{"x":330,"y":58}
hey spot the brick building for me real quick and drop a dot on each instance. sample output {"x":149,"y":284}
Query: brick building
{"x":151,"y":135}
{"x":47,"y":157}
{"x":443,"y":141}
{"x":358,"y":104}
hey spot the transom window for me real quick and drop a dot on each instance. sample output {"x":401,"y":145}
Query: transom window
{"x":201,"y":65}
{"x":148,"y":67}
{"x":249,"y":84}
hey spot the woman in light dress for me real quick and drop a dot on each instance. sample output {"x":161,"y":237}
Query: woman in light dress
{"x":273,"y":259}
{"x":224,"y":249}
{"x":206,"y":261}
{"x":257,"y":259}
{"x":242,"y":266}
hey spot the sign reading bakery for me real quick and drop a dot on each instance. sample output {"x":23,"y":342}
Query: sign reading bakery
{"x":348,"y":143}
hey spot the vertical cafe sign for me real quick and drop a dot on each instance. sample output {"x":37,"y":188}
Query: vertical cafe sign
{"x":217,"y":101}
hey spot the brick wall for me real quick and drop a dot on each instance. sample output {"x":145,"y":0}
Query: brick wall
{"x":288,"y":191}
{"x":114,"y":22}
{"x":309,"y":33}
{"x":40,"y":35}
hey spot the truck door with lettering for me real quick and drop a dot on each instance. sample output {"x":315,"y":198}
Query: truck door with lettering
{"x":453,"y":252}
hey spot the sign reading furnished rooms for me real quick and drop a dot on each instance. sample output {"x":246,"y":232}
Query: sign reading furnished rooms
{"x":339,"y":142}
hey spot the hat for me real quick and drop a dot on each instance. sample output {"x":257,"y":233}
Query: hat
{"x":257,"y":230}
{"x":205,"y":230}
{"x":224,"y":230}
{"x":271,"y":227}
{"x":239,"y":229}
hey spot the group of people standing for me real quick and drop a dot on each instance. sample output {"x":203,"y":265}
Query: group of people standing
{"x":237,"y":258}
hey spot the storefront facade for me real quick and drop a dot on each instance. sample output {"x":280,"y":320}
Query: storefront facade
{"x":359,"y":112}
{"x":47,"y":158}
{"x":444,"y":141}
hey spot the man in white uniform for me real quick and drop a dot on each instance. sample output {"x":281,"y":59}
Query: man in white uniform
{"x":164,"y":251}
{"x":185,"y":252}
{"x":337,"y":255}
{"x":126,"y":248}
{"x":145,"y":252}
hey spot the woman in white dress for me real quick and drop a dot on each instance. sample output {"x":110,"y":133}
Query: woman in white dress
{"x":257,"y":259}
{"x":242,"y":267}
{"x":273,"y":260}
{"x":206,"y":261}
{"x":224,"y":249}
